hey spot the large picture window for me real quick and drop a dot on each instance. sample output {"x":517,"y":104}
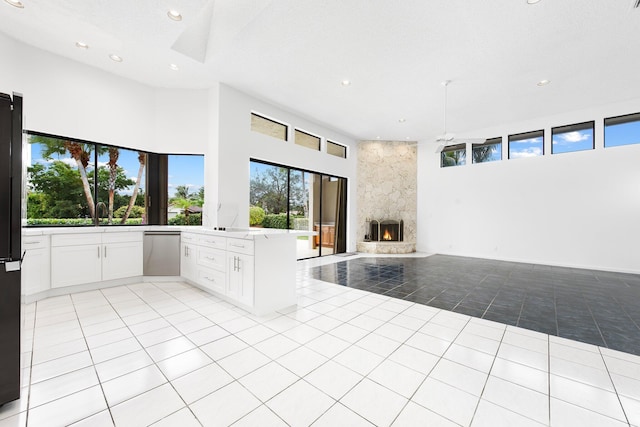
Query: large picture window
{"x":185,"y":189}
{"x":622,"y":130}
{"x":289,"y":198}
{"x":65,"y":187}
{"x":578,"y":137}
{"x":78,"y":183}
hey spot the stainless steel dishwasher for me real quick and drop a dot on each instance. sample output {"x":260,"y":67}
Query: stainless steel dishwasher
{"x":161,"y":253}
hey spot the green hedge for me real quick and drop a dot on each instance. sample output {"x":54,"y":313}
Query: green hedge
{"x":256,"y":215}
{"x":79,"y":221}
{"x":280,"y":221}
{"x":275,"y":221}
{"x":194,"y":219}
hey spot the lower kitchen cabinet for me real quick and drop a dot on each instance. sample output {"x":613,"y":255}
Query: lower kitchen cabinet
{"x":120,"y":260}
{"x":188,"y":268}
{"x":36,"y":264}
{"x":240,"y":278}
{"x":94,"y":257}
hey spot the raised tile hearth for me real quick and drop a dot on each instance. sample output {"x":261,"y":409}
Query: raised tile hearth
{"x":386,"y":247}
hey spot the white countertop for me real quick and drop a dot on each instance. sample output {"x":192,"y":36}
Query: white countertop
{"x":238,"y":233}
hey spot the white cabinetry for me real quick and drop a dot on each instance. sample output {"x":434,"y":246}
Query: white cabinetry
{"x":36,"y":265}
{"x":211,"y":263}
{"x":254,"y":272}
{"x":122,"y":255}
{"x":92,"y":257}
{"x":240,"y":271}
{"x":188,"y":256}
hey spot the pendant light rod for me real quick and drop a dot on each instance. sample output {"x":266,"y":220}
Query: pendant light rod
{"x":445,"y":84}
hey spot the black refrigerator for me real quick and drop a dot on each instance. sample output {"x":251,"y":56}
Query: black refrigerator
{"x":10,"y":236}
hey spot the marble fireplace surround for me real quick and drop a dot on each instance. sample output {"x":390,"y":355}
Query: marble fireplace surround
{"x":387,"y":189}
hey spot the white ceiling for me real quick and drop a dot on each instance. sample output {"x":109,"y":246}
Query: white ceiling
{"x":295,"y":53}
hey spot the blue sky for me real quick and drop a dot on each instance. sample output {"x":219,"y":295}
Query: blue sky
{"x":623,"y":134}
{"x":531,"y":147}
{"x":573,"y":141}
{"x":183,"y":169}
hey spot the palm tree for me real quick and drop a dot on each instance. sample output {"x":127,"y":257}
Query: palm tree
{"x":79,"y":152}
{"x":114,"y":153}
{"x":183,"y":204}
{"x":182,"y":192}
{"x":142,"y":159}
{"x":483,"y":153}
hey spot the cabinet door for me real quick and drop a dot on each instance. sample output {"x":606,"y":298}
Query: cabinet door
{"x":74,"y":265}
{"x":240,"y":273}
{"x":211,"y":279}
{"x":36,"y":271}
{"x":120,"y":260}
{"x":188,"y":261}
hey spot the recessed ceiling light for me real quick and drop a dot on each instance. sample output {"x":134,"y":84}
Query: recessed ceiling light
{"x":115,"y":57}
{"x":174,"y":67}
{"x":543,"y":82}
{"x":533,"y":1}
{"x":402,"y":120}
{"x":15,"y":3}
{"x":377,"y":137}
{"x":82,"y":45}
{"x":346,"y":83}
{"x":175,"y":15}
{"x":407,"y":138}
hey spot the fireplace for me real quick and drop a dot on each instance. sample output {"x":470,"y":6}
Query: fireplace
{"x":386,"y":230}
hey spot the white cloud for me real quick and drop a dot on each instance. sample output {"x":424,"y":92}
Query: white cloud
{"x":536,"y":140}
{"x":571,"y":138}
{"x":526,"y":152}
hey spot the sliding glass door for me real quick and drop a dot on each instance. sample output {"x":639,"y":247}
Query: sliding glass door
{"x":288,"y":198}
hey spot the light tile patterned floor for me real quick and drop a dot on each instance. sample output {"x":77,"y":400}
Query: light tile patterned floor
{"x":169,"y":354}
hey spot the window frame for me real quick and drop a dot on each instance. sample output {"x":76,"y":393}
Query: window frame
{"x":558,"y":130}
{"x":156,"y":213}
{"x":489,"y":141}
{"x":450,"y":149}
{"x":620,"y":120}
{"x":295,"y":139}
{"x":522,"y":136}
{"x":268,"y":119}
{"x":343,"y":147}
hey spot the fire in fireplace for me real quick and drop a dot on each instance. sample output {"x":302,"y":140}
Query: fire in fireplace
{"x":386,"y":230}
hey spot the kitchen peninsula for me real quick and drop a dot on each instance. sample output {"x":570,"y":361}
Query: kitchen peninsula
{"x":251,"y":268}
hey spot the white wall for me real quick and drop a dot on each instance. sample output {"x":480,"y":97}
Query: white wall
{"x":577,"y":209}
{"x":236,"y":144}
{"x":67,"y":98}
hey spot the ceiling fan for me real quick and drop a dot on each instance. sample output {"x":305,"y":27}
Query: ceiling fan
{"x":449,"y":139}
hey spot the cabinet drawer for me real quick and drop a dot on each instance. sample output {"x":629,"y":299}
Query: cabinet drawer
{"x":212,"y":258}
{"x":211,"y":279}
{"x":240,"y":246}
{"x":76,"y":239}
{"x":188,"y":237}
{"x":213,"y":241}
{"x":121,"y":237}
{"x":35,"y":242}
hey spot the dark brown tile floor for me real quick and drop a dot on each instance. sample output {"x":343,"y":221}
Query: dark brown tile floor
{"x":595,"y":307}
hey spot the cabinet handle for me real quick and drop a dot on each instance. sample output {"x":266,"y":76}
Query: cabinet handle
{"x":98,"y":251}
{"x":210,"y":258}
{"x":236,"y":245}
{"x":209,"y":279}
{"x":105,"y":251}
{"x":31,"y":243}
